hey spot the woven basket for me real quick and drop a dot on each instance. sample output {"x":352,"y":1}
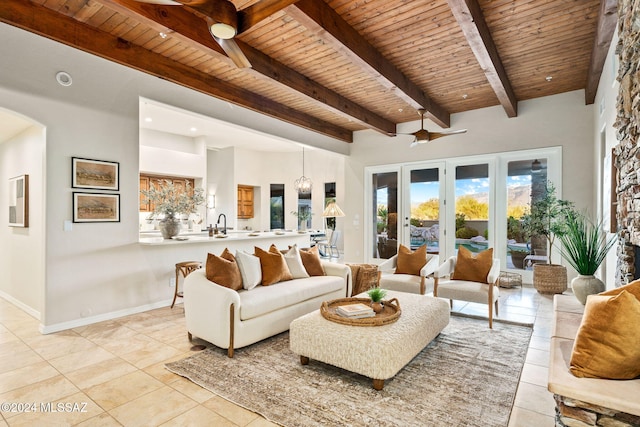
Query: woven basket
{"x":550,"y":278}
{"x":509,"y":280}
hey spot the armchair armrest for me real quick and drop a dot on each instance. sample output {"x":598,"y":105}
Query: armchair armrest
{"x":446,"y":268}
{"x":389,"y":265}
{"x":492,"y":277}
{"x":431,"y":266}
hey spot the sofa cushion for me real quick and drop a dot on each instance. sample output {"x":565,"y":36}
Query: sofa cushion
{"x":411,"y":262}
{"x":608,"y":341}
{"x":223,"y":270}
{"x":473,"y":268}
{"x":311,"y":261}
{"x":294,"y":262}
{"x":250,"y":269}
{"x":274,"y":267}
{"x":265,"y":299}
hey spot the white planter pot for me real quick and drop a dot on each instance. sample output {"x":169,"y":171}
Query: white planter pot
{"x":583,"y":286}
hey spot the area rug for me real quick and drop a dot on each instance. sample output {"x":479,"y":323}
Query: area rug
{"x":467,"y":376}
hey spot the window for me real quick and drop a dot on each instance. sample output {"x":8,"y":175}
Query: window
{"x":276,"y":206}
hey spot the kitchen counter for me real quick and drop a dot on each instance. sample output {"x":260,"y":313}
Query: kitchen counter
{"x":235,"y":239}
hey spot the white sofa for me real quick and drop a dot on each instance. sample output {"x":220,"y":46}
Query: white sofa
{"x":232,"y":319}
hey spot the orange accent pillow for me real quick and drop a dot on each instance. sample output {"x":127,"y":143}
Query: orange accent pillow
{"x":274,"y":267}
{"x":411,"y":262}
{"x":473,"y":268}
{"x":224,"y":270}
{"x":633,"y":288}
{"x":608,"y":342}
{"x":311,"y":261}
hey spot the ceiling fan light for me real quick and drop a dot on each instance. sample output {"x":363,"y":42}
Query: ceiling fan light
{"x":222,"y":30}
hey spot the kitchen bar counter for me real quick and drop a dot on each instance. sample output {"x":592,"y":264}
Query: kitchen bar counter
{"x":234,"y":240}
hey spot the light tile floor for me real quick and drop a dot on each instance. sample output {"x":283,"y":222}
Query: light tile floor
{"x":114,"y":371}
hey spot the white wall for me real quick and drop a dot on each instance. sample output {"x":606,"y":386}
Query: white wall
{"x":22,"y":249}
{"x":604,"y":116}
{"x":560,"y":120}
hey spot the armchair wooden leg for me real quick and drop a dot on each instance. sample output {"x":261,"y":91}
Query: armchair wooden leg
{"x":497,"y":314}
{"x":451,"y":303}
{"x":490,"y":316}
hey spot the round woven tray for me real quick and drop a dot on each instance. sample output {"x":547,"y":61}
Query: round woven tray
{"x":390,"y":313}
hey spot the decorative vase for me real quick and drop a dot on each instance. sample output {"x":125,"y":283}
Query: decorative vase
{"x":169,"y":227}
{"x":550,"y":278}
{"x":377,"y":307}
{"x":585,"y":285}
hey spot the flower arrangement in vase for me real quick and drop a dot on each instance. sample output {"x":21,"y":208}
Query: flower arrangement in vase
{"x":171,"y":202}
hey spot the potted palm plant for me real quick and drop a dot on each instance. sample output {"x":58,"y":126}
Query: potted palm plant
{"x":584,"y":246}
{"x":170,"y":202}
{"x":547,"y":220}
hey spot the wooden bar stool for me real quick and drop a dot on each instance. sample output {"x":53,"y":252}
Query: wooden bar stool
{"x":185,"y":268}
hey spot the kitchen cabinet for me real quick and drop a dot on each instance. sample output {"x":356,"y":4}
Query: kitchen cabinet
{"x":245,"y":202}
{"x":148,"y":181}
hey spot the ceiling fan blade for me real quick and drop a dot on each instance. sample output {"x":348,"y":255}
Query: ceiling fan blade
{"x":234,"y":52}
{"x":436,"y":135}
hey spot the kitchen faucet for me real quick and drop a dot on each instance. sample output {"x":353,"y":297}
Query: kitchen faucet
{"x":224,"y":226}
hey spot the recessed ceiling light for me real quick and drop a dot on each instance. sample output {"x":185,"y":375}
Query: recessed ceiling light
{"x":465,"y":96}
{"x":148,"y":119}
{"x":193,"y":129}
{"x":548,"y":78}
{"x":400,"y":110}
{"x":162,"y":35}
{"x":64,"y":78}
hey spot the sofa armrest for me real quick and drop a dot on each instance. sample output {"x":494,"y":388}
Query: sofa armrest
{"x":206,"y":308}
{"x":340,"y":270}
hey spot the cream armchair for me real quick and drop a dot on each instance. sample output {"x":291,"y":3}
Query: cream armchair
{"x":422,"y":284}
{"x":463,"y":290}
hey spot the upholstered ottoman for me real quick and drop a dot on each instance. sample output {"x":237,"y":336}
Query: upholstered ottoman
{"x":378,"y":352}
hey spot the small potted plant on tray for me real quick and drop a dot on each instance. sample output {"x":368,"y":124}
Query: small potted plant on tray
{"x":376,"y":295}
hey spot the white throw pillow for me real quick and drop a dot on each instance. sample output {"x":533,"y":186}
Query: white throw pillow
{"x":250,"y":269}
{"x":294,"y":262}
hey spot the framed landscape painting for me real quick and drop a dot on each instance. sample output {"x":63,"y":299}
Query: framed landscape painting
{"x":94,"y":174}
{"x":94,"y":207}
{"x":19,"y":201}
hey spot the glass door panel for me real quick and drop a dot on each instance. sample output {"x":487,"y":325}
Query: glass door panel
{"x":526,"y":181}
{"x":385,"y":215}
{"x":424,"y":207}
{"x":472,"y":201}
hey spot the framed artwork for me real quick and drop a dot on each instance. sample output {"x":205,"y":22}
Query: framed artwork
{"x":96,"y":207}
{"x":95,"y":174}
{"x":19,"y":201}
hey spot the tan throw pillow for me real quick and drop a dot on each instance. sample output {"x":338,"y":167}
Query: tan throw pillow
{"x":411,"y":262}
{"x":633,"y":288}
{"x":224,"y":270}
{"x":608,"y":341}
{"x":274,"y":267}
{"x":311,"y":261}
{"x":473,"y":268}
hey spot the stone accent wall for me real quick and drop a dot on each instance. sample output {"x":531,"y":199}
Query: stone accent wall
{"x":628,"y":130}
{"x":574,"y":413}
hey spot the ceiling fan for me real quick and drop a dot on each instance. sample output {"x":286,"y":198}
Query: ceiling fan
{"x":222,"y":20}
{"x":423,"y":136}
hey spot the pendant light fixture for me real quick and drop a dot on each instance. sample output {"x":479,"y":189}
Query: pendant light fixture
{"x":303,"y":184}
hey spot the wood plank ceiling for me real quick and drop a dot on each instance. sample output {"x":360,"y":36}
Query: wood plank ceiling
{"x":336,"y":66}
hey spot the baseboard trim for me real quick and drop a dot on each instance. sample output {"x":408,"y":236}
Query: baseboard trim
{"x":22,"y":306}
{"x":63,"y":326}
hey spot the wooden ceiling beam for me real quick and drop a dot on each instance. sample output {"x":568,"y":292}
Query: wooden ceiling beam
{"x":318,"y":17}
{"x":250,"y":16}
{"x":607,"y":20}
{"x":181,"y":23}
{"x":471,"y":20}
{"x":47,"y":23}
